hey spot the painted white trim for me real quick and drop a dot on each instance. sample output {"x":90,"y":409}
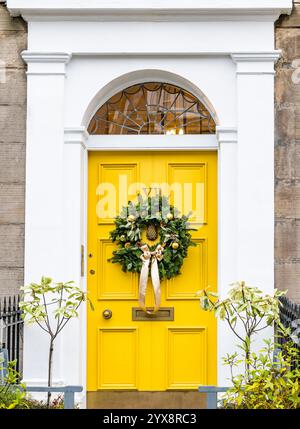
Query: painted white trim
{"x":154,"y":10}
{"x":64,"y":57}
{"x":227,"y":231}
{"x":128,"y":16}
{"x":152,"y":142}
{"x":173,"y":54}
{"x":46,"y":57}
{"x":77,"y":135}
{"x":75,"y":227}
{"x":46,"y":63}
{"x":226,"y":135}
{"x":255,"y":63}
{"x":271,"y":56}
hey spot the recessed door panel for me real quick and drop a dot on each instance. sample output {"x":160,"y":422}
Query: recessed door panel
{"x":195,"y":267}
{"x":112,"y":282}
{"x":114,"y":179}
{"x":188,"y":189}
{"x":118,"y":358}
{"x":186,"y":357}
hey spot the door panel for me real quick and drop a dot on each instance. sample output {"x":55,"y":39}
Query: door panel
{"x":190,"y":176}
{"x":151,"y":355}
{"x":113,"y":283}
{"x":186,"y":345}
{"x":111,"y":174}
{"x":181,"y":287}
{"x":118,"y":348}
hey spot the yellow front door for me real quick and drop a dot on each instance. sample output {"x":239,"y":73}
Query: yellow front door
{"x":151,"y":355}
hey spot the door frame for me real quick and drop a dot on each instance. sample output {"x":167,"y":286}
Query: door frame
{"x":78,"y":143}
{"x":153,"y":143}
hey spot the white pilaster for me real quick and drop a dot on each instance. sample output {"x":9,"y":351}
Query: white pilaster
{"x":227,"y":233}
{"x":227,"y":201}
{"x":75,"y":204}
{"x":255,"y":160}
{"x":44,"y":251}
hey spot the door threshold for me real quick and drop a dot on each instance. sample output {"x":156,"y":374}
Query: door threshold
{"x":113,"y":399}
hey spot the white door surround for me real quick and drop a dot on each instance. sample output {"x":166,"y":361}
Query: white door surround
{"x":77,"y":58}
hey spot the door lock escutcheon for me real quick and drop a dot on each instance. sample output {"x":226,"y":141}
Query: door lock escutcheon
{"x":107,"y":314}
{"x":92,"y":272}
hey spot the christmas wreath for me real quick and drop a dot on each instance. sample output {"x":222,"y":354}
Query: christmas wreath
{"x":161,"y":221}
{"x":164,"y":259}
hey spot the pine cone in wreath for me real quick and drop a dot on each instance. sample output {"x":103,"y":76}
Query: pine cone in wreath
{"x":151,"y":232}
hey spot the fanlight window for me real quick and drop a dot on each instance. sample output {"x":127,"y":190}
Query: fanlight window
{"x":152,"y":108}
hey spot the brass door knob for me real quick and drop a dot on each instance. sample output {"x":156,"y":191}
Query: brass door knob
{"x":107,"y":314}
{"x":92,"y":272}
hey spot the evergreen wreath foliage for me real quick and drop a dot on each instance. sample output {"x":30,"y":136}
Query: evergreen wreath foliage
{"x":173,"y":231}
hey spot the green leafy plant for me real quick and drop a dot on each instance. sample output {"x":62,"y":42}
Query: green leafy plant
{"x":246,"y":310}
{"x":270,"y":383}
{"x":12,"y":395}
{"x":266,"y":382}
{"x":51,"y":306}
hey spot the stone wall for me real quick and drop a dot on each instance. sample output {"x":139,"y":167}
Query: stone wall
{"x":287,"y":155}
{"x":13,"y":40}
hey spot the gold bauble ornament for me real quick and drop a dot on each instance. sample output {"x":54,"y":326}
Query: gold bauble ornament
{"x":127,"y":245}
{"x":170,"y":216}
{"x":131,"y":218}
{"x":122,"y":238}
{"x":175,"y":245}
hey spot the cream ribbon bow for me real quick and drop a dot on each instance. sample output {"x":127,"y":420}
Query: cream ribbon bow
{"x":146,"y":257}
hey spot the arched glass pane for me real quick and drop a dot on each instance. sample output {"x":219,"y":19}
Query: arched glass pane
{"x":152,"y":108}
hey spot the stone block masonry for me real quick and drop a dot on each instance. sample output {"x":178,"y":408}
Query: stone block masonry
{"x":287,"y":155}
{"x":13,"y":40}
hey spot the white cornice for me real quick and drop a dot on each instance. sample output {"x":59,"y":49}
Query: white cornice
{"x":77,"y":135}
{"x":271,"y":56}
{"x":46,"y":57}
{"x":54,"y":63}
{"x":62,"y":57}
{"x":239,"y":56}
{"x":255,"y":63}
{"x":226,"y":134}
{"x":150,"y":10}
{"x":46,"y":63}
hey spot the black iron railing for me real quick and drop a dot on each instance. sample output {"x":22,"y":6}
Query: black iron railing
{"x":11,"y":328}
{"x":290,"y":318}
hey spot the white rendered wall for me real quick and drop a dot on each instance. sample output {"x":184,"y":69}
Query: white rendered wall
{"x":150,"y":37}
